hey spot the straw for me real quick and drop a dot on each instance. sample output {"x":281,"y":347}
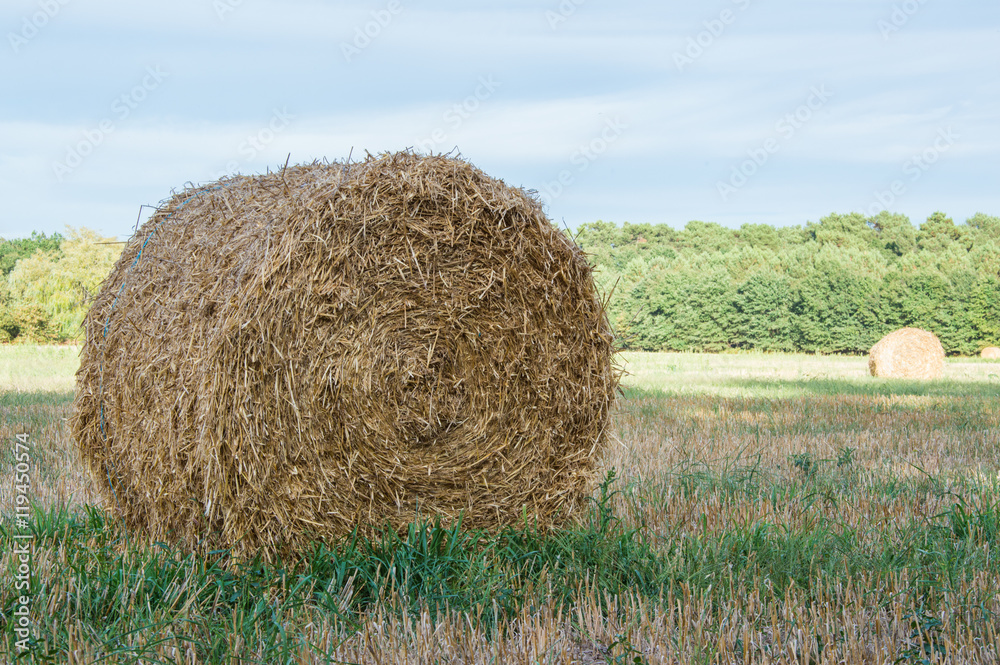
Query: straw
{"x":282,"y":358}
{"x":908,"y":353}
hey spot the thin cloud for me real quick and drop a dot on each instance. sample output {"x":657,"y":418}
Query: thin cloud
{"x":555,"y":87}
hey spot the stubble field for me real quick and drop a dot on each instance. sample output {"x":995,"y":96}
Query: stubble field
{"x":754,"y":508}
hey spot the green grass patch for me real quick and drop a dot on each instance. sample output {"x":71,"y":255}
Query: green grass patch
{"x":116,"y":589}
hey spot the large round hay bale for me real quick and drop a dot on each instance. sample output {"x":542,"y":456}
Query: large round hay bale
{"x":990,"y":352}
{"x":908,"y":353}
{"x":286,"y":357}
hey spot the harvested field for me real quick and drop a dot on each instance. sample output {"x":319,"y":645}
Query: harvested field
{"x":764,"y":509}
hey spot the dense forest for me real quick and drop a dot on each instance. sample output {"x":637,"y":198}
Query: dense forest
{"x":835,"y":286}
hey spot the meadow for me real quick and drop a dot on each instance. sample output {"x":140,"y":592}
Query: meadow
{"x":751,"y":508}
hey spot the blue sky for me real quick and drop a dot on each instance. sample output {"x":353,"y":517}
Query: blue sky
{"x":729,"y":111}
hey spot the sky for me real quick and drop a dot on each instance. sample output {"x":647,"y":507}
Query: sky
{"x":731,"y":111}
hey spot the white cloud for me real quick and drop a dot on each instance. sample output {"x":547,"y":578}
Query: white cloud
{"x":556,"y":90}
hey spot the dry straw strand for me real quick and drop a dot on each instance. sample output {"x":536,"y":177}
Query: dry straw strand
{"x":908,"y":353}
{"x":339,"y":346}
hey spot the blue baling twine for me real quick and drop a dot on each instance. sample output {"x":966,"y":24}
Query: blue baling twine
{"x":107,"y":320}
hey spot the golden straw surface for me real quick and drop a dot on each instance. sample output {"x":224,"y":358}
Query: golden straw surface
{"x":281,"y":358}
{"x":990,"y":352}
{"x":908,"y":353}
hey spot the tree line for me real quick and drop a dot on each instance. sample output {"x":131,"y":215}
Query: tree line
{"x":834,"y":286}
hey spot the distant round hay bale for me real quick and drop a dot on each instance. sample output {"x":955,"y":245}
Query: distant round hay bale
{"x":908,"y":353}
{"x":282,"y":358}
{"x":990,"y":352}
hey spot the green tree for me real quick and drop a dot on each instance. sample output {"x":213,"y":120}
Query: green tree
{"x":935,"y":292}
{"x":690,"y":306}
{"x":598,"y":239}
{"x":57,"y":286}
{"x":11,"y":251}
{"x":759,"y":236}
{"x":706,"y":237}
{"x":762,"y":312}
{"x":36,"y":289}
{"x":984,"y":311}
{"x":939,"y":233}
{"x":851,"y":230}
{"x":959,"y":334}
{"x":895,"y":233}
{"x":836,"y":303}
{"x":983,"y":228}
{"x":792,"y":236}
{"x":614,"y":247}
